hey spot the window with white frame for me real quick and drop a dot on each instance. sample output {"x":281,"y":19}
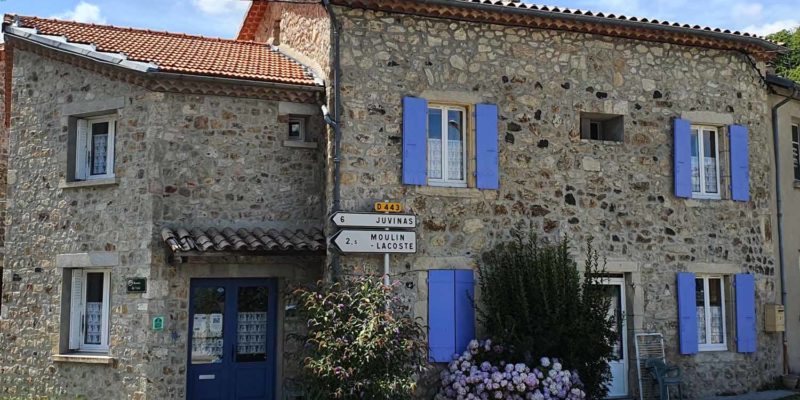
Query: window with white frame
{"x":89,"y":310}
{"x":447,"y":149}
{"x":297,"y":129}
{"x":711,"y":329}
{"x":94,"y":154}
{"x":705,"y":162}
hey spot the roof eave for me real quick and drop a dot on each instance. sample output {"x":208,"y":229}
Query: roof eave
{"x":23,"y":34}
{"x":783,"y":86}
{"x":238,"y":81}
{"x":142,"y":67}
{"x":709,"y":34}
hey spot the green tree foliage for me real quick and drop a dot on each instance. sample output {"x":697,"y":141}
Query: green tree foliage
{"x":361,"y":342}
{"x":788,"y":65}
{"x":534,"y":301}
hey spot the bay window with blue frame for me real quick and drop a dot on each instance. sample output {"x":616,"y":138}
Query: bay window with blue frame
{"x":697,"y":161}
{"x":450,"y":145}
{"x":703,"y":315}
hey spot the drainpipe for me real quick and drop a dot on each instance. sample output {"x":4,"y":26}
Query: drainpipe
{"x":332,"y":119}
{"x":781,"y":259}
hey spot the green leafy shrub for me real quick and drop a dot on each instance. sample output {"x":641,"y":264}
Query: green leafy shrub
{"x":788,"y":64}
{"x":361,"y":342}
{"x":533,"y":300}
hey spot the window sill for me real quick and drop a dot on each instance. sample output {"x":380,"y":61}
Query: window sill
{"x":706,"y":197}
{"x":463,"y":192}
{"x":83,"y":358}
{"x":297,"y":144}
{"x":603,"y":142}
{"x":797,"y":184}
{"x":88,"y":183}
{"x":711,"y":349}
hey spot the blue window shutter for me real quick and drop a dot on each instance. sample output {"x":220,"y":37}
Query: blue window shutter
{"x":465,"y":312}
{"x":682,"y":132}
{"x":441,"y":315}
{"x":487,"y":161}
{"x":687,"y":313}
{"x":745,"y":313}
{"x":740,"y":163}
{"x":415,"y":141}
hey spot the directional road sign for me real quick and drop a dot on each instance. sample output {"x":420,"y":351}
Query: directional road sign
{"x":374,"y":220}
{"x":356,"y":241}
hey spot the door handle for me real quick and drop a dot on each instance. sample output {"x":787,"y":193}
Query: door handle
{"x":206,"y":377}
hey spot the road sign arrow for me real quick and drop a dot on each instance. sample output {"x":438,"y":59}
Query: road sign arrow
{"x":357,"y":241}
{"x":374,"y":220}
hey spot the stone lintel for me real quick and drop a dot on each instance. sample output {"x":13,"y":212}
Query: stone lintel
{"x":94,"y":259}
{"x":290,"y":108}
{"x":708,"y":118}
{"x":613,"y":266}
{"x":451,"y":96}
{"x":455,"y":262}
{"x":714,"y":268}
{"x":92,"y":108}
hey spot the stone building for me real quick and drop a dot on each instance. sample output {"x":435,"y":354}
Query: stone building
{"x":650,"y":137}
{"x":784,"y":100}
{"x":164,"y":190}
{"x":153,"y":272}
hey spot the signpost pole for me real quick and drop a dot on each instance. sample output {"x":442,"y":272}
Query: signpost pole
{"x":386,"y":280}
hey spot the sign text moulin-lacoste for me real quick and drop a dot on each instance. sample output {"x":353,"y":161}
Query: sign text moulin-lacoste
{"x":370,"y":241}
{"x":391,"y":241}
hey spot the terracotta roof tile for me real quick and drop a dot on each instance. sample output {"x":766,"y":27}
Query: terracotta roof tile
{"x":183,"y":239}
{"x":506,"y":12}
{"x":563,"y":10}
{"x":180,"y":53}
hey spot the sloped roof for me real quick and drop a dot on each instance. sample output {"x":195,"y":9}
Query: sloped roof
{"x":176,"y":52}
{"x":517,"y":13}
{"x":184,"y":239}
{"x":555,"y":10}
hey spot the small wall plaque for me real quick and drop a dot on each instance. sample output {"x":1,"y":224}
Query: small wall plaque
{"x":136,"y":285}
{"x":158,"y":323}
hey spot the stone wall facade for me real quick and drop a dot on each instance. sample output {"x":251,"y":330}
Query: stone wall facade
{"x":551,"y":180}
{"x":3,"y":164}
{"x":181,"y":160}
{"x":303,"y":29}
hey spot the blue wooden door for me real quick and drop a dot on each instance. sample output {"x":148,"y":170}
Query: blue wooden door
{"x":232,"y":326}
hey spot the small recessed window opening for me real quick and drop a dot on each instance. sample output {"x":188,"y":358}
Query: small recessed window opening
{"x":603,"y":127}
{"x":89,"y":310}
{"x":297,"y":129}
{"x":94,"y":148}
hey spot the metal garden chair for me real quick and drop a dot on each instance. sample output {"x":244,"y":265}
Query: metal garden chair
{"x":666,"y":377}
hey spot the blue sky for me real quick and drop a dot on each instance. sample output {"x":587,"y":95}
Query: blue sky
{"x":222,"y":18}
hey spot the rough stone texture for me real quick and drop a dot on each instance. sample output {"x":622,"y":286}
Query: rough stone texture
{"x":3,"y":169}
{"x":304,"y":28}
{"x":556,"y":183}
{"x":181,"y":159}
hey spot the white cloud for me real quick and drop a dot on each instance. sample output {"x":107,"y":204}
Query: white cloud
{"x":772,"y":27}
{"x":745,"y":10}
{"x":83,"y":12}
{"x":217,"y":7}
